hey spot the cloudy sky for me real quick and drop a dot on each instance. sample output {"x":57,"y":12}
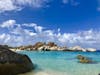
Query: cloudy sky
{"x":66,"y":22}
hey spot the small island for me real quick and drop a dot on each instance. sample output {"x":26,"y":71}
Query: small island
{"x":51,"y":46}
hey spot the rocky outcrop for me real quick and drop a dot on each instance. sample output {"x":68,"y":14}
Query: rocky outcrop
{"x":83,"y":59}
{"x":91,"y":49}
{"x":40,"y":46}
{"x":12,"y":63}
{"x":51,"y":46}
{"x":78,"y":48}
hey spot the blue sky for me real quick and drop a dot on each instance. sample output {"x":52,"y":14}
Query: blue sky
{"x":66,"y":22}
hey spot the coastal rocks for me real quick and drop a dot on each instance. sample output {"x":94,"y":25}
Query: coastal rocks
{"x":56,"y":48}
{"x":51,"y":46}
{"x":91,"y":49}
{"x":78,"y":48}
{"x":12,"y":63}
{"x":83,"y":59}
{"x":40,"y":46}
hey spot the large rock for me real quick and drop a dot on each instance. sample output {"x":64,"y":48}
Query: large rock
{"x":12,"y":63}
{"x":83,"y":59}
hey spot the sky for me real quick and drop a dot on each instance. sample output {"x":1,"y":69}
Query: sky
{"x":65,"y":22}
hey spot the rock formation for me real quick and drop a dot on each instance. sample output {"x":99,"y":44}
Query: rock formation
{"x":51,"y":46}
{"x":91,"y":49}
{"x":83,"y":59}
{"x":12,"y":63}
{"x":40,"y":46}
{"x":78,"y":48}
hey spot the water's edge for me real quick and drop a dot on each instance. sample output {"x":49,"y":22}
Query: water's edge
{"x":62,"y":63}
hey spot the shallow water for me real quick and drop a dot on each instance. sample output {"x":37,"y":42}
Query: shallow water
{"x":62,"y":63}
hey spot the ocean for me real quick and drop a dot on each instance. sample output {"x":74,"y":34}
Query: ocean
{"x":62,"y":63}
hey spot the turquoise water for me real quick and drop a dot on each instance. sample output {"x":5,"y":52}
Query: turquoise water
{"x":63,"y":63}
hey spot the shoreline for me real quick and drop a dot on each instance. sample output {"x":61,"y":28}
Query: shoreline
{"x":50,"y":46}
{"x":52,"y":51}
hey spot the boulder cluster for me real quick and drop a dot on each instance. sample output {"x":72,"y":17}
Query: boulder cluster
{"x":40,"y":46}
{"x":51,"y":46}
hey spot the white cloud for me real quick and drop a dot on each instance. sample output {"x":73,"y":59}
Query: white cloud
{"x":33,"y":3}
{"x":8,"y":23}
{"x":71,"y":2}
{"x":7,"y":5}
{"x":37,"y":28}
{"x":30,"y":33}
{"x":10,"y":5}
{"x":17,"y":5}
